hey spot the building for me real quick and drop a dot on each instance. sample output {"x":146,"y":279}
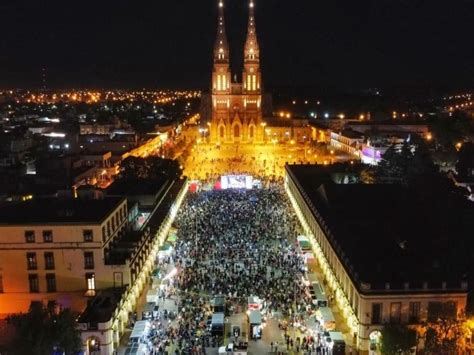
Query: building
{"x":89,"y":255}
{"x":381,"y":261}
{"x":240,"y":111}
{"x":348,"y":141}
{"x":52,"y":251}
{"x":104,"y":320}
{"x":236,"y":107}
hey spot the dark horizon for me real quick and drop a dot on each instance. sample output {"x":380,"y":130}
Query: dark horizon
{"x":341,"y":47}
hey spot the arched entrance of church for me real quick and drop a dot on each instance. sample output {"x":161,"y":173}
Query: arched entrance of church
{"x":237,"y":133}
{"x":221,"y":133}
{"x":251,"y":133}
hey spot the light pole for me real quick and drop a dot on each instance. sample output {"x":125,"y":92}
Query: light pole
{"x":264,"y":124}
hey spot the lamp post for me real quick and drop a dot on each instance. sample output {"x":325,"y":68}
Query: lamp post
{"x":264,"y":124}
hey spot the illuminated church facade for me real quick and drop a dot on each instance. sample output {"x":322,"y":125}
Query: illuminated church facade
{"x":236,"y":114}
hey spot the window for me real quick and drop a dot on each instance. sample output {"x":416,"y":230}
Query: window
{"x":47,"y":236}
{"x":444,"y":310}
{"x":88,"y":260}
{"x":50,"y":282}
{"x":34,"y":284}
{"x":376,"y":313}
{"x":395,"y":312}
{"x":414,"y":312}
{"x":88,"y":235}
{"x":30,"y":236}
{"x":31,"y":263}
{"x":90,"y":278}
{"x":49,"y":261}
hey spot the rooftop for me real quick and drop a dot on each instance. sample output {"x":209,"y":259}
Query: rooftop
{"x":349,"y":133}
{"x":128,"y":246}
{"x":387,"y":234}
{"x":102,"y":307}
{"x":134,"y":187}
{"x":58,"y":211}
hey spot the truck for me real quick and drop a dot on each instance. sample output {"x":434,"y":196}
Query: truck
{"x":152,"y":296}
{"x":148,"y":311}
{"x":217,"y":324}
{"x":303,"y":243}
{"x":255,"y":324}
{"x":336,"y":343}
{"x":320,"y":295}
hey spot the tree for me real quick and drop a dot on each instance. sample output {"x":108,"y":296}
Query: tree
{"x":393,"y":166}
{"x":447,"y":131}
{"x":397,"y":339}
{"x":409,"y":165}
{"x":465,"y":163}
{"x":446,"y":333}
{"x":148,"y":168}
{"x":41,"y":331}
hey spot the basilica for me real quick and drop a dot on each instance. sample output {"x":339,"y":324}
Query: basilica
{"x":236,"y":114}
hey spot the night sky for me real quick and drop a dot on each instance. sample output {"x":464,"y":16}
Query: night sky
{"x":349,"y":45}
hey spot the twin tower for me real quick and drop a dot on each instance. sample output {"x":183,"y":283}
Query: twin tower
{"x":236,"y":107}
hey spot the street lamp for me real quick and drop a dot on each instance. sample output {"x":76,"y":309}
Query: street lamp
{"x":264,"y":124}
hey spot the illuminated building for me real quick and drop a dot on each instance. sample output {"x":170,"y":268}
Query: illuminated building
{"x":236,"y":107}
{"x":348,"y":141}
{"x":53,"y":251}
{"x":67,"y":252}
{"x":380,"y":260}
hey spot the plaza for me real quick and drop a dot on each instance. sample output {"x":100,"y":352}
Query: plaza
{"x":236,"y":253}
{"x":210,"y":161}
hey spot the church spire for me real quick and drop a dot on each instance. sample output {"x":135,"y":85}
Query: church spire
{"x":221,"y":74}
{"x":221,"y":47}
{"x":251,"y":75}
{"x":252,"y":49}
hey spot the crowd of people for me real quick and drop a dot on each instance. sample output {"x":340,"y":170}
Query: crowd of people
{"x":238,"y":244}
{"x":212,"y":161}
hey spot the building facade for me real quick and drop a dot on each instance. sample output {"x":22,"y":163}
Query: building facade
{"x":236,"y":107}
{"x":347,"y":141}
{"x":367,"y":306}
{"x":88,"y":255}
{"x":59,"y":258}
